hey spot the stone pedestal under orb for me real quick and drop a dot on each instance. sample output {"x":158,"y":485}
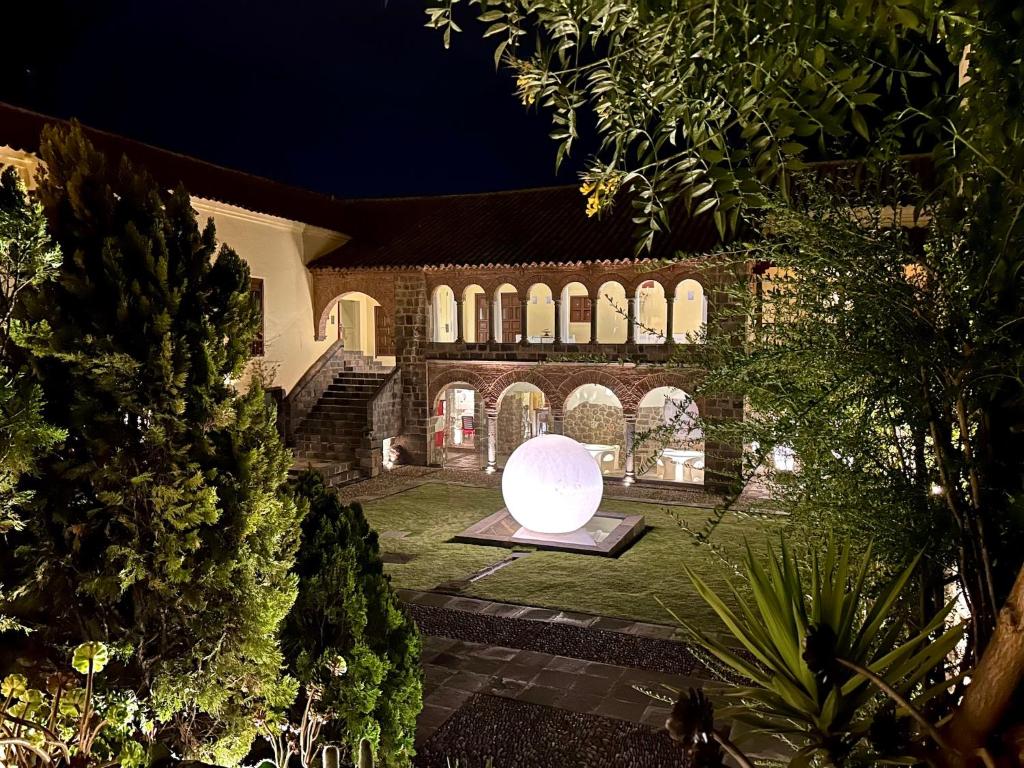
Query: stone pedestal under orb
{"x":552,"y":489}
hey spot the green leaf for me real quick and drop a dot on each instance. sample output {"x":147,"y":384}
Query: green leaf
{"x":860,"y":124}
{"x":13,"y":686}
{"x":94,"y":654}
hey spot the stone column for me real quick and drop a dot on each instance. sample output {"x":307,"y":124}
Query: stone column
{"x":492,"y":327}
{"x":492,"y":441}
{"x":524,"y":327}
{"x":593,"y":320}
{"x":558,"y":321}
{"x":460,"y":336}
{"x":631,"y":320}
{"x":670,"y":302}
{"x":628,"y":434}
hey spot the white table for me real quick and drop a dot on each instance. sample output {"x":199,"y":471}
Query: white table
{"x":604,"y":455}
{"x":677,"y":464}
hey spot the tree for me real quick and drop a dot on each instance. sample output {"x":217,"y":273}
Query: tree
{"x":712,"y":102}
{"x":348,"y":635}
{"x":162,"y":527}
{"x":27,"y":259}
{"x":719,"y":103}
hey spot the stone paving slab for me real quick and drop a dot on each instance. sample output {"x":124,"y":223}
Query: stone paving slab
{"x":647,"y":646}
{"x":458,"y":670}
{"x":513,"y":611}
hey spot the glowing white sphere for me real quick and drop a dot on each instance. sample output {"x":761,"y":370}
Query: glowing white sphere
{"x":552,"y":484}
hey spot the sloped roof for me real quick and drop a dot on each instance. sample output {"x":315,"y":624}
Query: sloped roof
{"x":513,"y":228}
{"x":519,"y":228}
{"x":20,"y":129}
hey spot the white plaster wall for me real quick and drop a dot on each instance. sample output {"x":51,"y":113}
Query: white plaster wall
{"x":277,"y":251}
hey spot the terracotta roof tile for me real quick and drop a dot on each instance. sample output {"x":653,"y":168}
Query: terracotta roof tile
{"x":524,"y":227}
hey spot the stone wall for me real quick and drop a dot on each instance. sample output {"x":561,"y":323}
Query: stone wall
{"x":410,"y":329}
{"x":512,"y":416}
{"x":593,"y":423}
{"x":650,"y":418}
{"x":384,"y":411}
{"x":314,"y":382}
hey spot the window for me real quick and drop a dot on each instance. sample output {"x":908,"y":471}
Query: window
{"x":256,"y":291}
{"x":579,"y":309}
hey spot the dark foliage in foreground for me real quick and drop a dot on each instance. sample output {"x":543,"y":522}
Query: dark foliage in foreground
{"x":347,"y":633}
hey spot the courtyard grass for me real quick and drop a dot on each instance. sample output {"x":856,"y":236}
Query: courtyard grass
{"x":629,"y":586}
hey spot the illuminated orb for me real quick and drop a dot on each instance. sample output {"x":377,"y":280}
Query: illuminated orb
{"x":552,"y":484}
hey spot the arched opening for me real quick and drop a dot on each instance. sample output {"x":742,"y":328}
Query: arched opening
{"x":593,"y":417}
{"x":689,"y":313}
{"x":459,"y":423}
{"x":575,"y":314}
{"x":443,"y":313}
{"x":508,"y":310}
{"x":651,"y":313}
{"x":611,"y":314}
{"x":540,"y":315}
{"x":670,"y":441}
{"x":523,"y":412}
{"x":476,"y":315}
{"x":363,"y":326}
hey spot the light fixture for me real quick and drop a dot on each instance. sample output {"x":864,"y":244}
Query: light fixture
{"x":551,"y":484}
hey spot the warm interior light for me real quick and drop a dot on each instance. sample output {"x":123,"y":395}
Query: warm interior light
{"x":551,"y":484}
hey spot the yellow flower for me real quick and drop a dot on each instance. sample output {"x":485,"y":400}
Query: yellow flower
{"x":526,"y":94}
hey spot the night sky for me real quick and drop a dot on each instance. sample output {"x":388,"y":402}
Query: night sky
{"x":351,"y":97}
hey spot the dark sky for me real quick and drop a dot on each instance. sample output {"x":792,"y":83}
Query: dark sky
{"x":350,"y":97}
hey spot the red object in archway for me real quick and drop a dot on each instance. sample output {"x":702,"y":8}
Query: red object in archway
{"x":439,"y":433}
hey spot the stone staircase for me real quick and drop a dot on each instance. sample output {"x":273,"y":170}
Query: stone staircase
{"x":333,"y":438}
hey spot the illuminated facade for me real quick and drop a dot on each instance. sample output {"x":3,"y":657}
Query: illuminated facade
{"x":452,"y":329}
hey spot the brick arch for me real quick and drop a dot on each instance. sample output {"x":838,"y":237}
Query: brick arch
{"x":624,"y":392}
{"x":679,"y":381}
{"x":497,"y":282}
{"x":328,"y":287}
{"x":455,"y":376}
{"x":689,"y":274}
{"x":435,"y":280}
{"x":465,"y":283}
{"x":557,"y":286}
{"x":497,"y":386}
{"x":595,"y":282}
{"x":653,"y":277}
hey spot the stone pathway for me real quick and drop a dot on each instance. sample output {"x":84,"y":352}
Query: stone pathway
{"x":593,"y":666}
{"x":455,"y":670}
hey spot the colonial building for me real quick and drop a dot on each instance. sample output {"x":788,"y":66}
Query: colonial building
{"x":451,"y":329}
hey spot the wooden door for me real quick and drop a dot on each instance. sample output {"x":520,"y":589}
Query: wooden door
{"x":384,"y":339}
{"x":511,"y":312}
{"x":482,"y":312}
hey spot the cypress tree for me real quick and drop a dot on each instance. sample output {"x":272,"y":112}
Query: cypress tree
{"x":347,"y":610}
{"x":162,"y":526}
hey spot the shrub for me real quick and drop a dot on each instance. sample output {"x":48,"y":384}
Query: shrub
{"x":348,"y":614}
{"x":162,"y":525}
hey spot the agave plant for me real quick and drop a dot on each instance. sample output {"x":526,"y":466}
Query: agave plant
{"x":820,"y":656}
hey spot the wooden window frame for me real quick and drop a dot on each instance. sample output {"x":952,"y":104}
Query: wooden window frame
{"x":579,"y":309}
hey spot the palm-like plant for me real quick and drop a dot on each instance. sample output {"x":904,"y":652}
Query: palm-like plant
{"x":819,"y":654}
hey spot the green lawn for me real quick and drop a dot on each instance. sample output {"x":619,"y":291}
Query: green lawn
{"x":627,"y":587}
